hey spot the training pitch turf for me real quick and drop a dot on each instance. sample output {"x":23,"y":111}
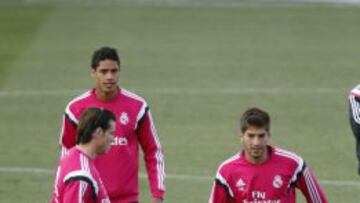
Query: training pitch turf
{"x":199,"y":67}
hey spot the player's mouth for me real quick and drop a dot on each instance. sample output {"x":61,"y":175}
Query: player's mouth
{"x":109,"y":84}
{"x":256,"y":150}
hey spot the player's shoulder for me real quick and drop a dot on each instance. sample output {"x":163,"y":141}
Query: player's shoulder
{"x":288,"y":156}
{"x":76,"y":166}
{"x":77,"y":104}
{"x":81,"y":175}
{"x":79,"y":99}
{"x":228,"y":165}
{"x":357,"y":87}
{"x":78,"y":175}
{"x":132,"y":96}
{"x":72,"y":159}
{"x":355,"y":91}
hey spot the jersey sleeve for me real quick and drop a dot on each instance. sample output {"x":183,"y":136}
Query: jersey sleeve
{"x":68,"y":134}
{"x":78,"y":191}
{"x":354,"y":106}
{"x":309,"y":186}
{"x":221,"y":191}
{"x":354,"y":113}
{"x":354,"y":118}
{"x":80,"y":187}
{"x":153,"y":155}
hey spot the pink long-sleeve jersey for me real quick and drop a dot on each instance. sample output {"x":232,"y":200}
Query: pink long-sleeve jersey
{"x":78,"y":181}
{"x":120,"y":166}
{"x":274,"y":181}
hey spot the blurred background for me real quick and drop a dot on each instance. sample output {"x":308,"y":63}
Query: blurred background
{"x":199,"y":64}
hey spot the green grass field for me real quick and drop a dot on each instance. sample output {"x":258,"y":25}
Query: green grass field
{"x":198,"y":67}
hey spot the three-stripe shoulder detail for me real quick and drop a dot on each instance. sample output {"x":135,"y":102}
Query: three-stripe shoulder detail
{"x":68,"y":110}
{"x":82,"y":175}
{"x":219,"y":177}
{"x":132,"y":95}
{"x":144,"y":107}
{"x":356,"y":91}
{"x":290,"y":155}
{"x":355,"y":107}
{"x":229,"y":160}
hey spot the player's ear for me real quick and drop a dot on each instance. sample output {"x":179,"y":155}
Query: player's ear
{"x":240,"y":135}
{"x":92,"y":72}
{"x":98,"y":132}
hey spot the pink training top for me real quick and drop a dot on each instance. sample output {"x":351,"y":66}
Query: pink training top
{"x":274,"y":181}
{"x":120,"y":166}
{"x":78,"y":181}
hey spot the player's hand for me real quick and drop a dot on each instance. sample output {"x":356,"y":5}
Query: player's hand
{"x":156,"y":200}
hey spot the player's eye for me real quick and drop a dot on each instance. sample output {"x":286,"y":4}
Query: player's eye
{"x":250,"y":135}
{"x":114,"y":71}
{"x":262,"y":135}
{"x":103,"y":72}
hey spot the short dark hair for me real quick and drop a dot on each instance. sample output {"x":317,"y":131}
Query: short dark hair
{"x":90,"y":120}
{"x":102,"y":54}
{"x":254,"y":117}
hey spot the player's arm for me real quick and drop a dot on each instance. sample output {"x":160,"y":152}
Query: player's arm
{"x":310,"y":187}
{"x":220,"y":193}
{"x":153,"y":156}
{"x":354,"y":117}
{"x":78,"y":191}
{"x":354,"y":111}
{"x":68,"y":132}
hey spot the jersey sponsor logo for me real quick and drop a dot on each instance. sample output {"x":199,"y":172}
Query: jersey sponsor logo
{"x":261,"y":201}
{"x":124,"y":118}
{"x":277,"y":182}
{"x":120,"y":141}
{"x":260,"y":197}
{"x":240,"y":184}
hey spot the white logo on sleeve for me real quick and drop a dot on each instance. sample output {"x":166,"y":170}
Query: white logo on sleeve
{"x":240,"y":184}
{"x":124,"y":118}
{"x":277,"y":182}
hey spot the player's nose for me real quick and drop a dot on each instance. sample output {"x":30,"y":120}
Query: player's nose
{"x":257,"y":141}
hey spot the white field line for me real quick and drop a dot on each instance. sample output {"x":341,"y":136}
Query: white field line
{"x":34,"y":170}
{"x":186,"y":91}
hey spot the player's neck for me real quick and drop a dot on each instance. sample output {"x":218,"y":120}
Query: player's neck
{"x":257,"y":160}
{"x":87,"y":149}
{"x":105,"y":96}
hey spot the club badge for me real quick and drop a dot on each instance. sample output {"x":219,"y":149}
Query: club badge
{"x":277,"y":182}
{"x":124,"y":118}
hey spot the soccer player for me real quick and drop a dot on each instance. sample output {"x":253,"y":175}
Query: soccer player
{"x":354,"y":113}
{"x":134,"y":127}
{"x":263,"y":173}
{"x":77,"y":179}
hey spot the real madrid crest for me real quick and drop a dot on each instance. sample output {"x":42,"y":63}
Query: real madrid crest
{"x":277,"y":182}
{"x":124,"y":118}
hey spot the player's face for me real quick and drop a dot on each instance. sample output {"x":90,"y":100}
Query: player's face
{"x":255,"y":141}
{"x":107,"y":138}
{"x":106,"y":76}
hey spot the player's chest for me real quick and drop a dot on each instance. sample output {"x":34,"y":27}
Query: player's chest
{"x":126,"y":117}
{"x":126,"y":122}
{"x":271,"y":185}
